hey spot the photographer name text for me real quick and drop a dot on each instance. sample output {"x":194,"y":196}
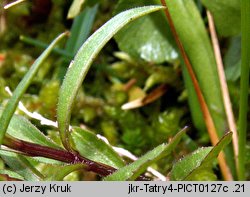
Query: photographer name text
{"x":42,"y":189}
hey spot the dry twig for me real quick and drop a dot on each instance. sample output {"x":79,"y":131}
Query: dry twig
{"x":223,"y":84}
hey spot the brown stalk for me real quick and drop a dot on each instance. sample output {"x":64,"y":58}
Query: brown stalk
{"x":205,"y":111}
{"x":129,"y":84}
{"x":36,"y":150}
{"x":223,"y":84}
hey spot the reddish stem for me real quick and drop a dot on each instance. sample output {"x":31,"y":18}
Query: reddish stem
{"x":36,"y":150}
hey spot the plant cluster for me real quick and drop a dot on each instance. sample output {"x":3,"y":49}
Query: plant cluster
{"x":135,"y":90}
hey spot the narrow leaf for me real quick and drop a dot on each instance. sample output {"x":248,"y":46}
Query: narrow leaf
{"x":57,"y":173}
{"x":232,"y":59}
{"x":93,"y":148}
{"x":244,"y":87}
{"x":193,"y":35}
{"x":133,"y":170}
{"x":80,"y":29}
{"x":22,"y":87}
{"x":23,"y":129}
{"x":6,"y":175}
{"x":19,"y":165}
{"x":212,"y":109}
{"x":223,"y":10}
{"x":201,"y":158}
{"x":80,"y":65}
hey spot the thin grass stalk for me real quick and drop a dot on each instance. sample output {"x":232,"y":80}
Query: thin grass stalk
{"x":43,"y":45}
{"x":205,"y":111}
{"x":244,"y":85}
{"x":224,"y":88}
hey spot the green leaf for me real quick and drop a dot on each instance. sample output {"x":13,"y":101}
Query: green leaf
{"x":203,"y":174}
{"x":83,"y":60}
{"x":43,"y":45}
{"x":22,"y":129}
{"x":79,"y":32}
{"x":93,"y":148}
{"x":45,"y":160}
{"x":193,"y":35}
{"x":19,"y":164}
{"x":226,"y":15}
{"x":202,"y":158}
{"x":10,"y":174}
{"x":232,"y":59}
{"x":80,"y":29}
{"x":196,"y":113}
{"x":133,"y":170}
{"x":244,"y":88}
{"x":58,"y":172}
{"x":154,"y":41}
{"x":189,"y":163}
{"x":22,"y":87}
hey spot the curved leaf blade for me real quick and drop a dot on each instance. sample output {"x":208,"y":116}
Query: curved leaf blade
{"x":23,"y":129}
{"x":58,"y":172}
{"x":6,"y":175}
{"x":81,"y":29}
{"x":19,"y":164}
{"x":79,"y":67}
{"x":193,"y":35}
{"x":201,"y":158}
{"x":93,"y":148}
{"x":22,"y":87}
{"x":133,"y":170}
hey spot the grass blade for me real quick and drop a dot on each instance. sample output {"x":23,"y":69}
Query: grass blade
{"x":196,"y":44}
{"x":214,"y":121}
{"x":23,"y":129}
{"x":201,"y":158}
{"x":19,"y":164}
{"x":59,"y":172}
{"x":40,"y":44}
{"x":79,"y":67}
{"x":244,"y":85}
{"x":81,"y":29}
{"x":224,"y":88}
{"x":22,"y":87}
{"x":91,"y":147}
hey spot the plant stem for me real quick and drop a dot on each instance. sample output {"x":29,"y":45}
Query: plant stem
{"x":36,"y":150}
{"x":244,"y":85}
{"x":205,"y":111}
